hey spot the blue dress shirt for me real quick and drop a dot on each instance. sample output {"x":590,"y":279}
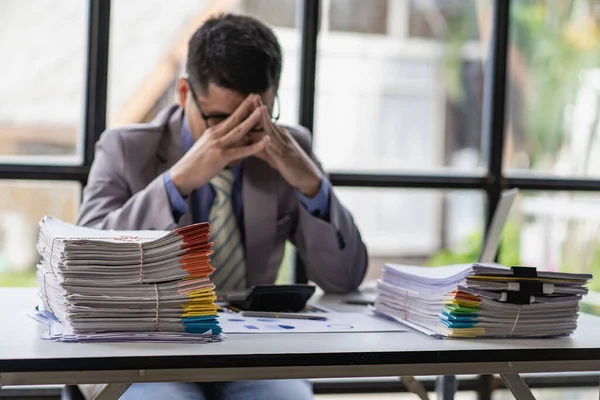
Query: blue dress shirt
{"x":204,"y":196}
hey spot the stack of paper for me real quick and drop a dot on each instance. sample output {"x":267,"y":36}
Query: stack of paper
{"x":481,"y":300}
{"x":126,"y":284}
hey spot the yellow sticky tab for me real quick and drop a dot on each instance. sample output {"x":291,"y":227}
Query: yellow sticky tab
{"x":466,"y":332}
{"x":202,"y":293}
{"x":467,"y":303}
{"x":197,"y":314}
{"x":201,"y":308}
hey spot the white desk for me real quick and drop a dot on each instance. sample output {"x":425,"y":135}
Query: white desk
{"x":25,"y":359}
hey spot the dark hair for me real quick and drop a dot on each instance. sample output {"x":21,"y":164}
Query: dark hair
{"x":236,"y":52}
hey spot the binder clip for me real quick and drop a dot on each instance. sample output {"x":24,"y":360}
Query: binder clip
{"x":535,"y":288}
{"x":527,"y":289}
{"x":518,"y":298}
{"x":524,"y":272}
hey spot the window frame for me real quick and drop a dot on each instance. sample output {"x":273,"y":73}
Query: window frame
{"x":494,"y":109}
{"x":94,"y":109}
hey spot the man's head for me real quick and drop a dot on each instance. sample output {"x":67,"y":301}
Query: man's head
{"x":229,"y":57}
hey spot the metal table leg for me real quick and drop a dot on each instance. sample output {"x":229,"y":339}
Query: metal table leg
{"x":112,"y":391}
{"x":446,"y":387}
{"x":485,"y":387}
{"x":517,"y":386}
{"x":414,"y":386}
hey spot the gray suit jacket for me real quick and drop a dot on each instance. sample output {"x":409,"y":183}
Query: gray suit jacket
{"x":125,"y":190}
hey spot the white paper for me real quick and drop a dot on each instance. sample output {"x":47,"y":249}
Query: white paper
{"x":95,"y":281}
{"x":336,"y":322}
{"x":57,"y":332}
{"x":418,"y":297}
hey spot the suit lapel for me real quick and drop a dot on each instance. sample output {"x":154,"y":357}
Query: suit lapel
{"x":170,"y":150}
{"x":260,"y":215}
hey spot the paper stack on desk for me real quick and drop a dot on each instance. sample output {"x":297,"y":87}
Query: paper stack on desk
{"x":481,"y":300}
{"x":126,"y":285}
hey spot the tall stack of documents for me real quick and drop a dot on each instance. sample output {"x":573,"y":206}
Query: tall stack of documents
{"x":481,"y":300}
{"x":126,"y":285}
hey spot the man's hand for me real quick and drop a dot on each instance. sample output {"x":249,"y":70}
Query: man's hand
{"x":286,"y":156}
{"x":218,"y":147}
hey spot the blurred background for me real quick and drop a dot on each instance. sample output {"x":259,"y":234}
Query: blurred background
{"x":398,"y":111}
{"x":399,"y":90}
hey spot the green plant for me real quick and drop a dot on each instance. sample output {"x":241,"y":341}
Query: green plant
{"x":551,"y":43}
{"x":556,"y":42}
{"x":469,"y":252}
{"x":460,"y":27}
{"x":509,"y":253}
{"x":470,"y":249}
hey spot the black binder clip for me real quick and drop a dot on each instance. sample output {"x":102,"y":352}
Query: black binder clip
{"x":527,"y":288}
{"x":518,"y":298}
{"x":524,"y":272}
{"x":535,"y":288}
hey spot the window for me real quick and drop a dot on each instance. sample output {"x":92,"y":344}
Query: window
{"x":22,"y":205}
{"x":358,"y":16}
{"x":428,"y":19}
{"x":399,"y":112}
{"x":417,"y":227}
{"x":42,"y":80}
{"x":393,"y":95}
{"x":553,"y":86}
{"x":148,"y":48}
{"x":277,"y":13}
{"x":399,"y":92}
{"x":42,"y":98}
{"x":556,"y":231}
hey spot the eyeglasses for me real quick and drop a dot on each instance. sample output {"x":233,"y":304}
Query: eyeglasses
{"x":215,"y":119}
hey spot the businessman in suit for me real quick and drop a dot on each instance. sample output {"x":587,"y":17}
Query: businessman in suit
{"x":219,"y":156}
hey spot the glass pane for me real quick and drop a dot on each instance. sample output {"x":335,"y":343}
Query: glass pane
{"x":557,"y":231}
{"x":358,"y":16}
{"x":22,"y":205}
{"x":276,"y":13}
{"x":428,"y":18}
{"x":42,"y":80}
{"x":148,"y":47}
{"x":419,"y":227}
{"x":553,"y":88}
{"x":391,"y":99}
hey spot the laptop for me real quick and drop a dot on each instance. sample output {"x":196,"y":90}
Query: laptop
{"x":492,"y":239}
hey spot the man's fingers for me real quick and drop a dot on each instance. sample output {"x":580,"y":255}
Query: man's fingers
{"x":250,"y":138}
{"x":241,"y":130}
{"x":235,"y":119}
{"x":266,"y":157}
{"x":254,"y":137}
{"x":238,"y":153}
{"x":274,"y":151}
{"x":270,"y":129}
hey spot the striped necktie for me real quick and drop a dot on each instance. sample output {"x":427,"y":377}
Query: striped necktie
{"x":228,"y":257}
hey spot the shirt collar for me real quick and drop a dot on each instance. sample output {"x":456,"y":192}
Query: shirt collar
{"x":187,"y":141}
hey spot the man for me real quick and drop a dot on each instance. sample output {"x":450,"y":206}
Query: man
{"x":219,"y":157}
